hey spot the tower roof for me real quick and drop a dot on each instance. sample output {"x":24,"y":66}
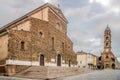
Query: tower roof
{"x":108,"y":28}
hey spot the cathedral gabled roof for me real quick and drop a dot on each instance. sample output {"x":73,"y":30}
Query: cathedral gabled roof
{"x":55,"y":9}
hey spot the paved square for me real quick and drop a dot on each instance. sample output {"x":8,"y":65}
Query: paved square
{"x":98,"y":75}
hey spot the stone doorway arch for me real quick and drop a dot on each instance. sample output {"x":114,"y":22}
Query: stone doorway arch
{"x":58,"y":60}
{"x":107,"y":66}
{"x":69,"y":63}
{"x":113,"y":66}
{"x":42,"y":63}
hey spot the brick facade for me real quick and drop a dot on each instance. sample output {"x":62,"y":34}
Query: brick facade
{"x":30,"y":37}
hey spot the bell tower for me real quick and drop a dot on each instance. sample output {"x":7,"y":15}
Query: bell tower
{"x":107,"y":40}
{"x":107,"y":57}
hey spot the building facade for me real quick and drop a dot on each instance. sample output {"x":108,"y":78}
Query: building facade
{"x":86,"y":60}
{"x":95,"y":61}
{"x":38,"y":38}
{"x":107,"y":57}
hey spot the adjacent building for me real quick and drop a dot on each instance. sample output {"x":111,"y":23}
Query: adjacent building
{"x":86,"y":60}
{"x":95,"y":61}
{"x":38,"y":38}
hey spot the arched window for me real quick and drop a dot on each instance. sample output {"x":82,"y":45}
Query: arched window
{"x":99,"y":58}
{"x":113,"y":59}
{"x":106,"y":44}
{"x":107,"y":38}
{"x":107,"y":57}
{"x":69,"y":47}
{"x":63,"y":47}
{"x":40,"y":34}
{"x":53,"y":43}
{"x":22,"y":45}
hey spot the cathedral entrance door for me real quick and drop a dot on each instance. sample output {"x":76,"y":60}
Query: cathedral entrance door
{"x":58,"y":60}
{"x":113,"y":66}
{"x":41,"y":60}
{"x":2,"y":69}
{"x":69,"y":63}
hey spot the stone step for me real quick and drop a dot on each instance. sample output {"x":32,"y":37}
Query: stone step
{"x":49,"y":72}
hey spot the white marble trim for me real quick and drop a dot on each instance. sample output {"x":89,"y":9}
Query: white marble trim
{"x":19,"y":62}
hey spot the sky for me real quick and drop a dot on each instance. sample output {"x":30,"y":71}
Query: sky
{"x":87,"y":20}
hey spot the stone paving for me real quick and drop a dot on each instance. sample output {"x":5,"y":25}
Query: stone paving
{"x":13,"y":78}
{"x":98,"y":75}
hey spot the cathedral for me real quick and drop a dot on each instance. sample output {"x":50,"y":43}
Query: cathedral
{"x":107,"y":57}
{"x":38,"y":38}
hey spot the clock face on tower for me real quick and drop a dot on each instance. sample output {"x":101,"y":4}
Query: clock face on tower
{"x":106,"y":50}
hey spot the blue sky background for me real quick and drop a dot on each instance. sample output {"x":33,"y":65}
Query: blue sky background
{"x":87,"y":20}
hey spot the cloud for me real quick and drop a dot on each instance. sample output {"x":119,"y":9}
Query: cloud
{"x":103,"y":2}
{"x":81,"y":13}
{"x":87,"y":25}
{"x":50,"y":1}
{"x":11,"y":10}
{"x":17,"y":8}
{"x":110,"y":5}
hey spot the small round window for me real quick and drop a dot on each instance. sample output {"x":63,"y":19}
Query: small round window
{"x":58,"y":26}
